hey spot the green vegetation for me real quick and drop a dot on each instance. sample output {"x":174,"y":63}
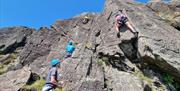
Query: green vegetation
{"x":5,"y":63}
{"x":141,"y":76}
{"x":57,"y":89}
{"x":177,"y":86}
{"x":149,"y":81}
{"x":135,"y":4}
{"x":106,"y":60}
{"x":1,"y":66}
{"x":88,"y":45}
{"x":2,"y":69}
{"x":100,"y":62}
{"x":76,"y":43}
{"x":13,"y":55}
{"x":169,"y":18}
{"x":1,"y":56}
{"x":10,"y":59}
{"x":38,"y":85}
{"x":168,"y":79}
{"x":103,"y":61}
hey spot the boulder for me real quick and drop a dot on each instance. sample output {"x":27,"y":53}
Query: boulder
{"x":122,"y":81}
{"x":13,"y":80}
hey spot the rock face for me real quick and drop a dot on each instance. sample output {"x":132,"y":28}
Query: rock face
{"x":167,"y":11}
{"x":122,"y":81}
{"x":12,"y":41}
{"x":103,"y":61}
{"x":13,"y":80}
{"x":38,"y":45}
{"x":13,"y":37}
{"x":156,"y":44}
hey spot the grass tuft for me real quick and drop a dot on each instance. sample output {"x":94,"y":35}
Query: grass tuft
{"x":141,"y":76}
{"x":88,"y":45}
{"x":38,"y":85}
{"x":100,"y":62}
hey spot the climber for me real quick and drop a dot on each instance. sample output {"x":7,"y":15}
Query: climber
{"x":122,"y":20}
{"x":86,"y":19}
{"x":69,"y":49}
{"x":51,"y":80}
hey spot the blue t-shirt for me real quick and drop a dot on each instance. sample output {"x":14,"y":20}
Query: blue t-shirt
{"x":70,"y":48}
{"x":52,"y":72}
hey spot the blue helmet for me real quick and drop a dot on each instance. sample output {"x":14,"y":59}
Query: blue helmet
{"x":70,"y":43}
{"x":54,"y":62}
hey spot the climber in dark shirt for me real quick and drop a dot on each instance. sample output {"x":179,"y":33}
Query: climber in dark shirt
{"x":51,"y":80}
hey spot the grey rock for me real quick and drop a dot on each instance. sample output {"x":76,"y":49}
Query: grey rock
{"x":13,"y":80}
{"x":171,"y":87}
{"x":13,"y":37}
{"x":38,"y":45}
{"x":102,"y":61}
{"x":79,"y":72}
{"x":167,"y":11}
{"x":158,"y":43}
{"x":147,"y":88}
{"x":122,"y":81}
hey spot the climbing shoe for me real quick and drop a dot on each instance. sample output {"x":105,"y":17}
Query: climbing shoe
{"x":136,"y":34}
{"x":118,"y":35}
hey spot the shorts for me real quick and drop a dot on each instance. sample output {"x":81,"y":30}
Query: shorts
{"x":47,"y":88}
{"x":123,"y":21}
{"x":68,"y":55}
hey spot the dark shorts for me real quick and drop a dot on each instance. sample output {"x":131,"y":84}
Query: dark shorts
{"x":123,"y":21}
{"x":68,"y":55}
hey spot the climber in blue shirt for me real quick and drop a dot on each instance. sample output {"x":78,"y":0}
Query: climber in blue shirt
{"x":69,"y":49}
